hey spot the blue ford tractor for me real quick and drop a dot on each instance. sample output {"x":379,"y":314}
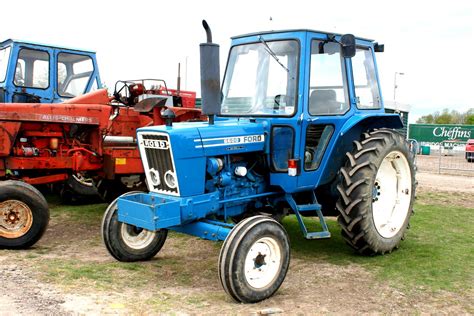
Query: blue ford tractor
{"x":37,"y":73}
{"x":297,"y":127}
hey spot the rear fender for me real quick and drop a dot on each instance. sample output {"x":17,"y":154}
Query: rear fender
{"x":350,"y":131}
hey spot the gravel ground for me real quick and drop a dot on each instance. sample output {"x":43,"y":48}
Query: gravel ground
{"x":22,"y":294}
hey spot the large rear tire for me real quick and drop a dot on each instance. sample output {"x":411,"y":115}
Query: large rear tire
{"x":377,"y":189}
{"x":128,"y":243}
{"x":24,"y":215}
{"x":254,"y":259}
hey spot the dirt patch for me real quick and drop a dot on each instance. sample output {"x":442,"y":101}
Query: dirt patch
{"x":445,"y":189}
{"x":429,"y":182}
{"x":24,"y":295}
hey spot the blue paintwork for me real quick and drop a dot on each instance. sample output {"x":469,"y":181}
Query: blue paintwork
{"x":205,"y":229}
{"x":49,"y":94}
{"x":154,"y":211}
{"x":197,"y":145}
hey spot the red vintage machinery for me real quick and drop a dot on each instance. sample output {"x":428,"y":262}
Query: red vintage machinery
{"x":86,"y":143}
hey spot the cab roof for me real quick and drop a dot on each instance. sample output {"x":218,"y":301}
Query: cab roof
{"x":15,"y":41}
{"x":295,"y":31}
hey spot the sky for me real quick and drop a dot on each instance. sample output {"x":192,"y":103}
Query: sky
{"x":428,"y":41}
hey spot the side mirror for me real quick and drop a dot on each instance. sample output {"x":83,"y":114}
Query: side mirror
{"x":348,"y":45}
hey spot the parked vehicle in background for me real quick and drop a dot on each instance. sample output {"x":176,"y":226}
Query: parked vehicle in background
{"x":39,"y":73}
{"x":470,"y":150}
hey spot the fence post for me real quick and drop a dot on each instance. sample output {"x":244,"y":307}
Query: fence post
{"x":439,"y":158}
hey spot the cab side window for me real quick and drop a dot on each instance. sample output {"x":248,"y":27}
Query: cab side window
{"x":365,"y":81}
{"x":4,"y":56}
{"x":74,"y":73}
{"x":32,"y":69}
{"x":327,"y":90}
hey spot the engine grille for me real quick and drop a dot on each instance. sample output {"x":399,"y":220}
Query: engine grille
{"x":157,"y":156}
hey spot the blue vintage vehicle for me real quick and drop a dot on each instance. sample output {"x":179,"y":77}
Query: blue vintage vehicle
{"x":298,"y":127}
{"x":37,"y":73}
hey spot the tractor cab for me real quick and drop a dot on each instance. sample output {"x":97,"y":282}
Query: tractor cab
{"x":309,"y":89}
{"x":36,"y":73}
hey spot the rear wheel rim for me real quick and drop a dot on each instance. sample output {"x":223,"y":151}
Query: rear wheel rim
{"x":16,"y":219}
{"x":391,"y":194}
{"x":263,"y":262}
{"x":136,"y":238}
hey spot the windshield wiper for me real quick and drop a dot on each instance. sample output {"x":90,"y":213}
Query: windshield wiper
{"x":269,"y":51}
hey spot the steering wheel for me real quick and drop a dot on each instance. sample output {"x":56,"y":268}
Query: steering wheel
{"x":117,"y":93}
{"x":277,"y":100}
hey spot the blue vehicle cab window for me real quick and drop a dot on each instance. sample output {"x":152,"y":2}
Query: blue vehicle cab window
{"x":261,"y":79}
{"x":4,"y":57}
{"x":327,"y":84}
{"x":283,"y":138}
{"x":32,"y":69}
{"x":365,"y":80}
{"x":74,"y":74}
{"x":317,"y":139}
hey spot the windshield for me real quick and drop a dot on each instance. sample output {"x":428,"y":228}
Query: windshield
{"x":4,"y":56}
{"x":261,"y":79}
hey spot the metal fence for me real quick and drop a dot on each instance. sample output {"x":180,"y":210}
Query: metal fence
{"x":452,"y":156}
{"x":447,"y":157}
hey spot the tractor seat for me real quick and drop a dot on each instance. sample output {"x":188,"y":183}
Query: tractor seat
{"x":147,"y":105}
{"x":324,"y":102}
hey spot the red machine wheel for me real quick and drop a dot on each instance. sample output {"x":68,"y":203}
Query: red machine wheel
{"x":24,"y":215}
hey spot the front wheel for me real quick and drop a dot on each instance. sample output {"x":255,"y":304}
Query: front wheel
{"x":126,"y":242}
{"x":24,"y":215}
{"x":377,"y":189}
{"x":254,"y":259}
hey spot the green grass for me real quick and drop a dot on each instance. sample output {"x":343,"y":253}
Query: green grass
{"x":438,"y":253}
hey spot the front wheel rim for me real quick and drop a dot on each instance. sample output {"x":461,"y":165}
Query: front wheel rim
{"x":263,"y":262}
{"x":136,"y":238}
{"x":391,"y":194}
{"x":16,"y":219}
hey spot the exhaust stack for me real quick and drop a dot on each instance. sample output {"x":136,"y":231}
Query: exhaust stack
{"x":210,"y":76}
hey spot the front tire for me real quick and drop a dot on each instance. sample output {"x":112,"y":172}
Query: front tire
{"x":24,"y":215}
{"x":377,"y":189}
{"x":254,"y":259}
{"x":128,"y":243}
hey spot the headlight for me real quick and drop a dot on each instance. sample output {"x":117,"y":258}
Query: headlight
{"x":155,"y":177}
{"x":170,"y":179}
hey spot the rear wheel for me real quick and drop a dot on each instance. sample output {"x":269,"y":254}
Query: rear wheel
{"x":127,"y":242}
{"x":377,"y":189}
{"x":254,"y":259}
{"x":24,"y":215}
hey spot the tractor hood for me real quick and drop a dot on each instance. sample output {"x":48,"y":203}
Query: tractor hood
{"x":188,"y":145}
{"x":225,"y":137}
{"x":230,"y":137}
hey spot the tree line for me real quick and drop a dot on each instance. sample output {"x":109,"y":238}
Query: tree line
{"x":448,"y":117}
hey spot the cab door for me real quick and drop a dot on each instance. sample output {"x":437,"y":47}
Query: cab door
{"x":32,"y":77}
{"x":76,"y":74}
{"x":327,"y":108}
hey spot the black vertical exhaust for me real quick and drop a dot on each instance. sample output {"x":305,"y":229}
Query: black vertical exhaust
{"x":210,"y":76}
